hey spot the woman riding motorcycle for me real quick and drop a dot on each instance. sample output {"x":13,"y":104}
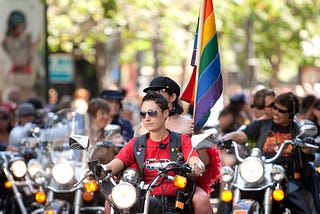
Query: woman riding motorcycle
{"x":154,"y":111}
{"x":269,"y":134}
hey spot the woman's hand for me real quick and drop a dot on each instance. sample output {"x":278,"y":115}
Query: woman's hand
{"x":197,"y":166}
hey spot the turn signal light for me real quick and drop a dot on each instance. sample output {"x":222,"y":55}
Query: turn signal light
{"x":40,"y":197}
{"x":91,"y":186}
{"x":180,"y":181}
{"x":278,"y":194}
{"x":50,"y":212}
{"x":226,"y":195}
{"x":318,"y":170}
{"x":7,"y":184}
{"x":87,"y":196}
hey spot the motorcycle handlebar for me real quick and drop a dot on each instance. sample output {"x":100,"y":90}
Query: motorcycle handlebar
{"x":100,"y":171}
{"x":306,"y":142}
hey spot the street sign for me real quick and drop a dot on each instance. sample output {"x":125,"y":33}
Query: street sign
{"x":61,"y":68}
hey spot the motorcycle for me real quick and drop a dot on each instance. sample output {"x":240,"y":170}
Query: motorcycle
{"x":315,"y":164}
{"x":129,"y":194}
{"x":257,"y":184}
{"x":58,"y":168}
{"x":19,"y":193}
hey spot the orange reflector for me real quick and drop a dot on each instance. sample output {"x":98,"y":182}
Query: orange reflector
{"x":297,"y":175}
{"x":7,"y":184}
{"x":278,"y":194}
{"x":87,"y":196}
{"x":50,"y":212}
{"x":40,"y":197}
{"x":179,"y":205}
{"x":180,"y":181}
{"x":226,"y":195}
{"x":240,"y":212}
{"x":91,"y":186}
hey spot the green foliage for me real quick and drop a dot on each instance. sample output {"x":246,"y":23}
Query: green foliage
{"x":166,"y":27}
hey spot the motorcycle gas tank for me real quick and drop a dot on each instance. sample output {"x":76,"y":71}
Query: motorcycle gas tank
{"x":264,"y":182}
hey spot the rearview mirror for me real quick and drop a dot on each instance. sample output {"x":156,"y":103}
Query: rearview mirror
{"x":202,"y":141}
{"x":308,"y":128}
{"x":79,"y":142}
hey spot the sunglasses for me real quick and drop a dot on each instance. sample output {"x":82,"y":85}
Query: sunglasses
{"x":270,"y":105}
{"x":151,"y":113}
{"x":280,"y":110}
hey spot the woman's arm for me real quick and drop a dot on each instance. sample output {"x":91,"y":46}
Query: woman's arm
{"x":116,"y":165}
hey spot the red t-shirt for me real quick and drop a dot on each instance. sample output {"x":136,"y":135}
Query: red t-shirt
{"x":155,"y":157}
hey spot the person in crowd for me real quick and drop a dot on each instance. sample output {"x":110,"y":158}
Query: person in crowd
{"x":234,"y":114}
{"x":114,"y":99}
{"x":80,"y":99}
{"x":4,"y":130}
{"x":98,"y":112}
{"x":40,"y":111}
{"x":316,"y":112}
{"x":263,"y":101}
{"x":154,"y":112}
{"x":269,"y":134}
{"x":177,"y":122}
{"x":53,"y":99}
{"x":26,"y":114}
{"x":306,"y":108}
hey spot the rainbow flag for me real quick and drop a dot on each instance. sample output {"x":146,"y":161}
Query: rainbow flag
{"x":205,"y":85}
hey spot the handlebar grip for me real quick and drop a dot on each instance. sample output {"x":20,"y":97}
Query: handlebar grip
{"x":101,"y":171}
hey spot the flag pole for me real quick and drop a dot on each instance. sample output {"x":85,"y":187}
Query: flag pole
{"x":198,"y":53}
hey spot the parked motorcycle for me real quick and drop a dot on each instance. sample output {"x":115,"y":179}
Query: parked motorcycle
{"x":58,"y":168}
{"x":18,"y":191}
{"x":256,"y":184}
{"x":129,"y":194}
{"x":315,"y":189}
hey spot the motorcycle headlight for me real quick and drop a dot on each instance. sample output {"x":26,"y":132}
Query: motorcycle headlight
{"x":34,"y":167}
{"x":18,"y":168}
{"x":252,"y":170}
{"x":227,"y":174}
{"x":124,"y":195}
{"x":62,"y":173}
{"x":35,"y":171}
{"x":277,"y":173}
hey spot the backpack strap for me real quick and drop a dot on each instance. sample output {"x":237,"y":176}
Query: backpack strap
{"x":139,"y":148}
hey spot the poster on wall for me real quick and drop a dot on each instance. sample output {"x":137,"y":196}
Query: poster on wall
{"x":22,"y":49}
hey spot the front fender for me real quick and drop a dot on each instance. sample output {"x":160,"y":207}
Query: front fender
{"x":59,"y":206}
{"x":250,"y":206}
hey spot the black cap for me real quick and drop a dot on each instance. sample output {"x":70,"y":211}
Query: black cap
{"x":25,"y":109}
{"x":166,"y":83}
{"x":111,"y":94}
{"x":238,"y":98}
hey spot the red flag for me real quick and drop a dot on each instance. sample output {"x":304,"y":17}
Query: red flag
{"x":188,"y":94}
